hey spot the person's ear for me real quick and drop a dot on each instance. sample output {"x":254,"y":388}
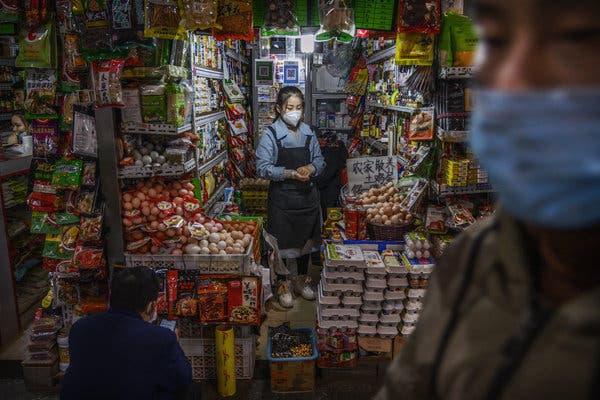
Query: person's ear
{"x":278,"y":109}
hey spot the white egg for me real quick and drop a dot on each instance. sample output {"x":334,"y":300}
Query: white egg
{"x":137,"y":155}
{"x":154,"y":155}
{"x":139,"y":163}
{"x":147,"y":160}
{"x":161,"y":159}
{"x":156,"y":164}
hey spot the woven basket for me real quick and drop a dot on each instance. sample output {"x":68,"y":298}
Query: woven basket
{"x":388,"y":232}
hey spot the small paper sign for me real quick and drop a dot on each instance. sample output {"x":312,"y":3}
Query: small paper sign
{"x":367,"y":172}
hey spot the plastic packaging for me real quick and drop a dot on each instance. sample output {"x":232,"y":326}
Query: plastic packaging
{"x":234,"y":19}
{"x":420,"y":16}
{"x":458,"y":41}
{"x":84,"y":135}
{"x":36,"y":50}
{"x":199,"y":14}
{"x":280,"y":19}
{"x":41,"y":85}
{"x":45,"y":138}
{"x":414,"y":49}
{"x":163,"y":19}
{"x":106,"y":76}
{"x":337,"y":21}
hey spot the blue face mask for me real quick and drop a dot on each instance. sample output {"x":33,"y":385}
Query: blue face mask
{"x":542,"y":152}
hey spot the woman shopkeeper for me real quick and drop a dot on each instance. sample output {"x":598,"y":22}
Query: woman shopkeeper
{"x":289,"y":155}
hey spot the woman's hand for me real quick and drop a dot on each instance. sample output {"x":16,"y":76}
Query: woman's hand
{"x":306,"y":171}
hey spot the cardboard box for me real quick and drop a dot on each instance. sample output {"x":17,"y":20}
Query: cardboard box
{"x":40,"y":374}
{"x":292,"y":376}
{"x":398,"y":344}
{"x":378,"y":349}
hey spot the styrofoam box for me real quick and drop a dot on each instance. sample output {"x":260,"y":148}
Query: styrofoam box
{"x":413,"y":305}
{"x":338,"y":254}
{"x":347,"y":324}
{"x":374,"y":263}
{"x":368,"y":319}
{"x":397,"y":275}
{"x":373,"y":283}
{"x":367,"y":330}
{"x":416,"y":293}
{"x":410,"y":317}
{"x":347,"y":289}
{"x":387,"y":331}
{"x":352,"y":301}
{"x":407,"y":330}
{"x":389,"y":318}
{"x":372,"y":296}
{"x":371,"y":307}
{"x":327,"y":301}
{"x":338,"y":312}
{"x":397,"y":282}
{"x":346,"y":277}
{"x":394,"y":294}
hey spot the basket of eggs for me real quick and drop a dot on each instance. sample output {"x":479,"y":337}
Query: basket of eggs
{"x":386,"y":218}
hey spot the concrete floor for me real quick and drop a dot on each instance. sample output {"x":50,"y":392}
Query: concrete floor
{"x":358,"y":383}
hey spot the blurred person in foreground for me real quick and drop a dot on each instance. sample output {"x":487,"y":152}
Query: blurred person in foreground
{"x":513,"y":309}
{"x":121,"y":354}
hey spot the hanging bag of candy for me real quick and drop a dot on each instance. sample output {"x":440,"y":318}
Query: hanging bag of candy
{"x":337,"y":21}
{"x":419,"y":16}
{"x":199,"y":14}
{"x":280,"y":19}
{"x":235,"y":19}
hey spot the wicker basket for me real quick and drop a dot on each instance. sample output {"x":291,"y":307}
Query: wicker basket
{"x":388,"y":232}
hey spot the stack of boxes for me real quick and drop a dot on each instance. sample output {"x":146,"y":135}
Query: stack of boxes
{"x":339,"y":302}
{"x":463,"y":172}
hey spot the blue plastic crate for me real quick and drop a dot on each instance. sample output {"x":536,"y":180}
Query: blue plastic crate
{"x":313,"y":337}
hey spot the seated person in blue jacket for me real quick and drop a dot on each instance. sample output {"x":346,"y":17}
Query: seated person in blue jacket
{"x":121,"y":354}
{"x":288,"y":154}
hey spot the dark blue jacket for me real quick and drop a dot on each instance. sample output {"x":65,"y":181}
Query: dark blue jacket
{"x":118,"y":355}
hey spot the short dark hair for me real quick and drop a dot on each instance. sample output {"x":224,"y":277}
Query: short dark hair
{"x":285,"y":93}
{"x":133,"y":288}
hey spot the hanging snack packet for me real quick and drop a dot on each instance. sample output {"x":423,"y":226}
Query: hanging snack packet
{"x":235,"y":20}
{"x":85,"y":202}
{"x":88,"y":256}
{"x":106,"y":76}
{"x":73,"y":59}
{"x":337,"y":21}
{"x":45,"y":138}
{"x":458,"y":41}
{"x":163,"y":19}
{"x":40,"y":87}
{"x":66,"y":105}
{"x":44,"y":222}
{"x":176,"y":104}
{"x":419,"y":16}
{"x":199,"y":14}
{"x":9,"y":10}
{"x":36,"y":47}
{"x":421,"y":125}
{"x":91,"y":228}
{"x":280,"y":19}
{"x":414,"y":49}
{"x":67,"y":174}
{"x":84,"y":135}
{"x":88,"y":177}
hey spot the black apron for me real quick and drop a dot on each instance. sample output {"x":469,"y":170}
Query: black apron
{"x":294,"y":212}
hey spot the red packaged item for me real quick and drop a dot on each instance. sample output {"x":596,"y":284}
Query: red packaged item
{"x":172,"y":280}
{"x":88,"y":256}
{"x":44,"y":202}
{"x":187,"y":305}
{"x":419,"y":16}
{"x":161,"y":301}
{"x":212,"y":298}
{"x":106,"y":76}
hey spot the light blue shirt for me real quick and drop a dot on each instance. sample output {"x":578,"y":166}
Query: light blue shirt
{"x":266,"y":153}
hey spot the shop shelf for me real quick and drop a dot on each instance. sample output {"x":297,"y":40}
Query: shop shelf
{"x":206,"y":263}
{"x":169,"y":72}
{"x":215,"y":197}
{"x":202,"y":357}
{"x":236,"y":56}
{"x":6,"y":85}
{"x":14,"y":166}
{"x":452,"y":136}
{"x":376,"y":143}
{"x":208,"y":165}
{"x":208,"y":118}
{"x":207,"y":73}
{"x":132,"y":172}
{"x":404,"y":109}
{"x":456,"y":72}
{"x":382,"y":55}
{"x":445,"y":190}
{"x":7,"y":61}
{"x":155,"y":129}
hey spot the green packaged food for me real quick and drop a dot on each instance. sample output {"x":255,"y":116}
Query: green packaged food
{"x":43,"y":223}
{"x":67,"y":174}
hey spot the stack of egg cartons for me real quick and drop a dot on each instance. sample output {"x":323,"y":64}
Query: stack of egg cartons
{"x":373,"y":296}
{"x":395,"y":292}
{"x":341,"y":288}
{"x":417,"y":259}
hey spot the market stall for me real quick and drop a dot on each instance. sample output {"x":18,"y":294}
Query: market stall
{"x":141,"y":121}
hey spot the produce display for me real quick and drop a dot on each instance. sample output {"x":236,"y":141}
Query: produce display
{"x":385,"y":205}
{"x":290,"y":343}
{"x":161,"y":218}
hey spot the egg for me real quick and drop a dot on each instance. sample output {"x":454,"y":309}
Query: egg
{"x":127,"y":206}
{"x":136,"y":203}
{"x":154,"y":211}
{"x":154,"y":155}
{"x":126,"y":222}
{"x":144,"y":151}
{"x":177,"y":252}
{"x":222,"y":245}
{"x":204,"y":243}
{"x":138,"y":163}
{"x":214,"y":238}
{"x":183,"y":192}
{"x":204,"y":250}
{"x":149,"y":146}
{"x":141,"y":195}
{"x":161,"y":159}
{"x":146,"y":211}
{"x":147,"y":160}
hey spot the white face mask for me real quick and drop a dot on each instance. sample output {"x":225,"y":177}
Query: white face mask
{"x":292,"y":118}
